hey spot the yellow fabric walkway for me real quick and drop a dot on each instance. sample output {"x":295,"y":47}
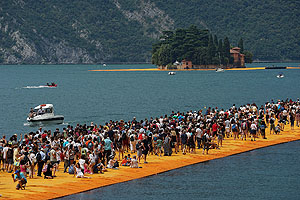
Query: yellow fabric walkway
{"x":65,"y":184}
{"x":156,"y":69}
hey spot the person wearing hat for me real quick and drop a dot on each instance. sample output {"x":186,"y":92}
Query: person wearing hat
{"x":20,"y":177}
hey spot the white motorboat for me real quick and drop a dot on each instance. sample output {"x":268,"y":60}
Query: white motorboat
{"x":104,"y":65}
{"x":220,"y":70}
{"x":44,"y":113}
{"x":172,"y":73}
{"x":280,"y":76}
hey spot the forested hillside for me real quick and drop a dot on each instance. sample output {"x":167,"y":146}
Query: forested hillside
{"x":95,"y":31}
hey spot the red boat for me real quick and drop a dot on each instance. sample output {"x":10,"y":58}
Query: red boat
{"x":51,"y":85}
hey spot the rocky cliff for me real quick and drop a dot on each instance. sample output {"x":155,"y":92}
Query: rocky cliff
{"x":95,"y":31}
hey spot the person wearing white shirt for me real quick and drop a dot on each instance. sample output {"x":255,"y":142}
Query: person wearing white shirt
{"x":253,"y":129}
{"x":81,"y":162}
{"x":134,"y":163}
{"x":92,"y":161}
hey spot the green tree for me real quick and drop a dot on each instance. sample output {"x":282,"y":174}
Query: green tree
{"x":220,"y":52}
{"x":194,"y":44}
{"x":164,"y":55}
{"x":241,"y":45}
{"x":211,"y":49}
{"x":216,"y":41}
{"x":248,"y":57}
{"x":226,"y":50}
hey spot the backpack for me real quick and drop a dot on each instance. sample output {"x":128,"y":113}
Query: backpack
{"x":137,"y":146}
{"x":166,"y":141}
{"x":116,"y":164}
{"x":244,"y":126}
{"x":71,"y":169}
{"x":132,"y":138}
{"x":123,"y":136}
{"x":233,"y":127}
{"x":1,"y":152}
{"x":76,"y":149}
{"x":47,"y":156}
{"x":45,"y":168}
{"x":26,"y":159}
{"x":83,"y":151}
{"x":34,"y":159}
{"x":9,"y":153}
{"x":204,"y":138}
{"x":39,"y":157}
{"x":90,"y":145}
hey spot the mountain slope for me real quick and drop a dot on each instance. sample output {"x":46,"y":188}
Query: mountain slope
{"x":269,"y":28}
{"x":94,"y":31}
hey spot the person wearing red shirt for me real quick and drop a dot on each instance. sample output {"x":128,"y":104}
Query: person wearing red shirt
{"x":215,"y":127}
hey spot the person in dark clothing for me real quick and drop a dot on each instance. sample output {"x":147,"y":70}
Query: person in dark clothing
{"x":145,"y":148}
{"x":110,"y":134}
{"x":183,"y":138}
{"x":167,"y":146}
{"x":48,"y":172}
{"x":40,"y":162}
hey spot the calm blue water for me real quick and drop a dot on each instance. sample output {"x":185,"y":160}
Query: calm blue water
{"x":83,"y":96}
{"x":269,"y":173}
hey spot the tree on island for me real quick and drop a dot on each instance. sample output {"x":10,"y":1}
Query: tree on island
{"x":241,"y":45}
{"x":226,"y":50}
{"x":193,"y":44}
{"x":248,"y":54}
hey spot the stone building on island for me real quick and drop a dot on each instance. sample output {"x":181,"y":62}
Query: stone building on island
{"x":238,"y":57}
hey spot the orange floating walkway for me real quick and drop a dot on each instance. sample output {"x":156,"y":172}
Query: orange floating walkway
{"x":156,"y":69}
{"x":65,"y":184}
{"x":146,"y":69}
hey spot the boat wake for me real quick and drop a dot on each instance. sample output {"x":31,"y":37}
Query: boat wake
{"x":37,"y":87}
{"x":44,"y":124}
{"x":27,"y":124}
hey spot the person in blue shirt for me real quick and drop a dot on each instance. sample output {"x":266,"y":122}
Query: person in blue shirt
{"x":20,"y":177}
{"x":107,"y":148}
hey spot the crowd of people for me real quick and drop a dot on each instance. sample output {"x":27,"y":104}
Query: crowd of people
{"x":88,"y":149}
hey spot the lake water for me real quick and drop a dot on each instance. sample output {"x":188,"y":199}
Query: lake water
{"x":83,"y":96}
{"x":268,"y":173}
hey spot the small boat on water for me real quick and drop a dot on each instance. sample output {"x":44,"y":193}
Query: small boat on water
{"x":280,"y":75}
{"x":220,"y":70}
{"x":44,"y":113}
{"x":172,"y":73}
{"x":104,"y":65}
{"x":51,"y":85}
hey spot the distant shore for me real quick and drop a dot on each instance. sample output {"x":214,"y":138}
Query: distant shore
{"x":276,"y":61}
{"x":136,"y":63}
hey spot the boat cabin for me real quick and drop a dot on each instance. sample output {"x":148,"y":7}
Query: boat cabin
{"x":43,"y":109}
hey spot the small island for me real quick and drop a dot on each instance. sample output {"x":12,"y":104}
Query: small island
{"x":193,"y":48}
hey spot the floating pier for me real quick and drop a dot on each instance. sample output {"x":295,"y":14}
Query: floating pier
{"x":65,"y":184}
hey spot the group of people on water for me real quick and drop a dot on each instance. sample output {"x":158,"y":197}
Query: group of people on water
{"x":33,"y":113}
{"x":51,"y":84}
{"x":88,"y":149}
